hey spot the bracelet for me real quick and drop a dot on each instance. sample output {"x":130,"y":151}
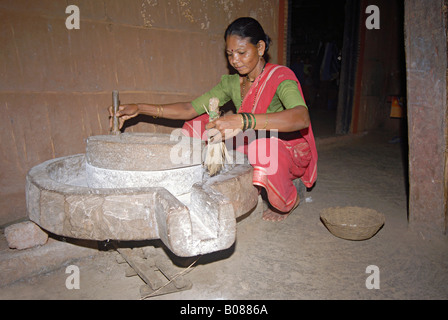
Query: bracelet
{"x":266,"y":123}
{"x":243,"y":122}
{"x":249,"y":120}
{"x":255,"y":121}
{"x":244,"y":116}
{"x":249,"y":117}
{"x":159,"y":114}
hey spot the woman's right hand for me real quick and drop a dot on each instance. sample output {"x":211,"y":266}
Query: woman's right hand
{"x":125,"y":112}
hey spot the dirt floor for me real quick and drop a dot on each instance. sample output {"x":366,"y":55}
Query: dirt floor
{"x":298,"y":258}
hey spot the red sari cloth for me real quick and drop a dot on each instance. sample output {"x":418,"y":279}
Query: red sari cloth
{"x":279,"y":159}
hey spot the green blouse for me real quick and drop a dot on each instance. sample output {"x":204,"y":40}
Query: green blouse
{"x":287,"y":95}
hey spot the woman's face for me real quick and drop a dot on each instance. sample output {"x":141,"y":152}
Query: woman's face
{"x":242,"y":54}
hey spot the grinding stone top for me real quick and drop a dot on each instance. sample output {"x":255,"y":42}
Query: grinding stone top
{"x":143,"y":151}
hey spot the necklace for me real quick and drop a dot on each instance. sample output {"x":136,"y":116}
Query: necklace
{"x":243,"y":89}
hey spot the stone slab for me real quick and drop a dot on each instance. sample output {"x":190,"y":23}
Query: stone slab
{"x":19,"y":264}
{"x":143,"y":151}
{"x":178,"y":181}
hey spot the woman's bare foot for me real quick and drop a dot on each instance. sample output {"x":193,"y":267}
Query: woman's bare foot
{"x":274,"y":215}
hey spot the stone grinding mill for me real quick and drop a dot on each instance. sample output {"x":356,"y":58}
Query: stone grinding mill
{"x":141,"y":186}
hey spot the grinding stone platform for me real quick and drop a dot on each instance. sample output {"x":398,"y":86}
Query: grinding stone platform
{"x":141,"y":187}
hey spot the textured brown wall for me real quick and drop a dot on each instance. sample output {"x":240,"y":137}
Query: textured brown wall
{"x":382,"y":67}
{"x":426,"y":52}
{"x":55,"y":83}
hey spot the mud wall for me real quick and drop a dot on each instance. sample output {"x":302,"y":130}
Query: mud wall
{"x":56,"y":83}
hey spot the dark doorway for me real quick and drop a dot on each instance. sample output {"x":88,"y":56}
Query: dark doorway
{"x":315,"y":47}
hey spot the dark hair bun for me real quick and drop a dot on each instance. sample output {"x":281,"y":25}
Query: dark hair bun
{"x":268,"y":43}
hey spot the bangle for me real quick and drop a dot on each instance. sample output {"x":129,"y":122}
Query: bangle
{"x":242,"y":122}
{"x":250,"y":122}
{"x":159,"y":114}
{"x":255,"y":121}
{"x":248,"y":115}
{"x":244,"y":116}
{"x":266,"y":123}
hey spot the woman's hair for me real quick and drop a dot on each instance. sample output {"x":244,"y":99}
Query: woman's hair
{"x":247,"y":27}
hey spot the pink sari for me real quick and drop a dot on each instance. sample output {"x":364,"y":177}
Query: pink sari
{"x":277,"y":161}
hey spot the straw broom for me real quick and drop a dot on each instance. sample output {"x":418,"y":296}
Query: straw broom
{"x":216,"y":153}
